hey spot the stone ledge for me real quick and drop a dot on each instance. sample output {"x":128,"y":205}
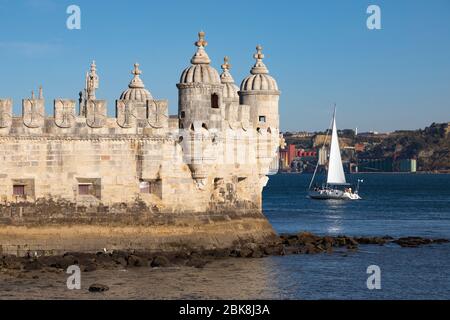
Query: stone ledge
{"x":51,"y":240}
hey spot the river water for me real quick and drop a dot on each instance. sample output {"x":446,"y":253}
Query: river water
{"x":393,"y":204}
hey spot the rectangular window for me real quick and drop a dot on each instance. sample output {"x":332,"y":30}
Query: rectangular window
{"x":91,"y":187}
{"x":262,"y":119}
{"x":182,"y":114}
{"x":19,"y":190}
{"x":214,"y":101}
{"x":83,"y":189}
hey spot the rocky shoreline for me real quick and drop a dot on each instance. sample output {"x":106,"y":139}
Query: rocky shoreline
{"x":286,"y":244}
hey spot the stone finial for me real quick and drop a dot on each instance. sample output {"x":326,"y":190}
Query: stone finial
{"x":93,"y":67}
{"x":226,"y":77}
{"x":41,"y":96}
{"x":259,"y":56}
{"x":259,"y":67}
{"x":201,"y":40}
{"x":91,"y":82}
{"x":32,"y":94}
{"x":136,"y":82}
{"x":136,"y":70}
{"x":226,"y":65}
{"x":201,"y":57}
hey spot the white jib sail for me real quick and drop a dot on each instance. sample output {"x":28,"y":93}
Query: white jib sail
{"x":335,"y":170}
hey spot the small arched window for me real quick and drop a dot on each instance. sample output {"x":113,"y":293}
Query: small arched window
{"x":215,"y":101}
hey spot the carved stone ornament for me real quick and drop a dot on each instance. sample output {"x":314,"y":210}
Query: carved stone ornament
{"x":96,"y":114}
{"x":33,"y":114}
{"x":5,"y":113}
{"x":157,"y":113}
{"x":64,"y":113}
{"x":126,"y":114}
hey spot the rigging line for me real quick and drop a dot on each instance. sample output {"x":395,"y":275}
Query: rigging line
{"x":324,"y":142}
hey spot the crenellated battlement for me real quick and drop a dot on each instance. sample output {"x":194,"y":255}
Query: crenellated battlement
{"x":150,"y":117}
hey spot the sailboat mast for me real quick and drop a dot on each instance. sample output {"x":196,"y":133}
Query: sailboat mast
{"x":323,"y":145}
{"x":336,"y":174}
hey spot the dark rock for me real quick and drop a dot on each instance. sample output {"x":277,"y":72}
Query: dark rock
{"x":341,"y":241}
{"x":252,"y":250}
{"x":97,"y":287}
{"x":219,"y":253}
{"x":245,"y":253}
{"x":291,"y":250}
{"x":12,"y":263}
{"x":160,"y":261}
{"x":104,"y":259}
{"x":257,"y":253}
{"x":274,"y":250}
{"x":412,"y":242}
{"x":352,"y":242}
{"x":307,"y":237}
{"x":122,"y":261}
{"x":136,"y":261}
{"x":89,"y":267}
{"x":311,"y":249}
{"x":373,"y":240}
{"x":69,"y":260}
{"x":197,"y":262}
{"x":32,"y":265}
{"x":120,"y":257}
{"x":328,"y":242}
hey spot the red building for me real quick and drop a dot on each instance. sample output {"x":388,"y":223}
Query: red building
{"x":290,"y":153}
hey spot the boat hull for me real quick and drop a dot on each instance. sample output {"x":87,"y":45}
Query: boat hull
{"x":333,"y":194}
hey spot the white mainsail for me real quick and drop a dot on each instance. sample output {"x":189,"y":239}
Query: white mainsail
{"x":336,"y":174}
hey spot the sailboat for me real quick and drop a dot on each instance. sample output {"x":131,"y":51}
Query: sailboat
{"x":336,"y":187}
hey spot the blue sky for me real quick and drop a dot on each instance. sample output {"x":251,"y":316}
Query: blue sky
{"x":320,"y":52}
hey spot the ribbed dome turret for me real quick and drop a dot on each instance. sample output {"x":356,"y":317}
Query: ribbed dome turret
{"x":259,"y":79}
{"x":136,"y":89}
{"x":200,"y":71}
{"x":230,"y":89}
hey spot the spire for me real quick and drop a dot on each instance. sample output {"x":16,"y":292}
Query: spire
{"x":41,"y":96}
{"x":226,"y":77}
{"x":136,"y":82}
{"x":201,"y":57}
{"x":32,"y":94}
{"x":259,"y":67}
{"x":91,"y":82}
{"x":93,"y":67}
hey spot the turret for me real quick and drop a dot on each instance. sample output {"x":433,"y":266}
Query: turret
{"x":260,"y":91}
{"x":200,"y":101}
{"x":229,"y":95}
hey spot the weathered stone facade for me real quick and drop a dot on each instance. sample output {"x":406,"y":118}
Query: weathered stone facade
{"x":84,"y":181}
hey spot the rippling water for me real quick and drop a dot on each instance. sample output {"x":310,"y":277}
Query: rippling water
{"x":395,"y":205}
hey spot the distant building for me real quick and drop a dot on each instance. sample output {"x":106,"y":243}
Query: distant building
{"x":360,"y":147}
{"x":408,"y":165}
{"x":323,"y":156}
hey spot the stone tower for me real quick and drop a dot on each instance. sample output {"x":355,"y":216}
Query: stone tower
{"x":230,"y":96}
{"x":200,"y":103}
{"x":260,"y":91}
